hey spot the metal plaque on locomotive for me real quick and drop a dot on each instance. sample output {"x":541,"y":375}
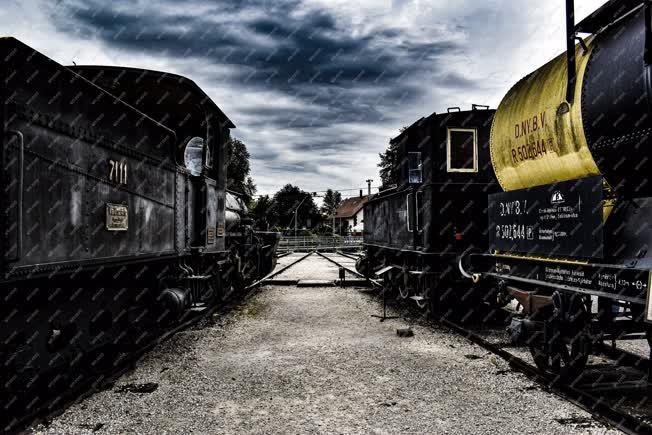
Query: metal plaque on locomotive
{"x":117,"y":217}
{"x":559,"y":219}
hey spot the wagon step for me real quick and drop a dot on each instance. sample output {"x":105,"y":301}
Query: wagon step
{"x":199,"y":307}
{"x":419,"y":298}
{"x":384,"y":270}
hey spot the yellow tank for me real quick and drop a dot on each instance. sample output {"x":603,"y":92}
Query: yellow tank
{"x":537,"y":138}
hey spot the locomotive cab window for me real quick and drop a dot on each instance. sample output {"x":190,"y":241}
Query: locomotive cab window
{"x":462,"y":150}
{"x":209,"y":156}
{"x":414,"y":168}
{"x":192,"y":155}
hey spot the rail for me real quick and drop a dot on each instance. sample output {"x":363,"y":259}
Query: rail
{"x":322,"y":243}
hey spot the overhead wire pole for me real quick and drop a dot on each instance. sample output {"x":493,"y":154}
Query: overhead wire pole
{"x":296,"y":212}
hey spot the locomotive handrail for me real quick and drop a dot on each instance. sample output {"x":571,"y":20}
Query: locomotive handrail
{"x":453,"y":109}
{"x":407,"y":212}
{"x":416,"y":206}
{"x":19,"y":212}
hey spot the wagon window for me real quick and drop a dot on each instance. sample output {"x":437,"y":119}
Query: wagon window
{"x":192,"y":156}
{"x":414,"y":168}
{"x":462,"y":150}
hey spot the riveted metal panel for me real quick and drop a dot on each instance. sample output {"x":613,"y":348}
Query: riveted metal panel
{"x":616,"y":106}
{"x":83,"y":149}
{"x":180,"y":212}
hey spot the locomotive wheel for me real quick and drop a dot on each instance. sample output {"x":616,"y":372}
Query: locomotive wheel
{"x":565,"y":354}
{"x":388,"y":284}
{"x":363,"y":266}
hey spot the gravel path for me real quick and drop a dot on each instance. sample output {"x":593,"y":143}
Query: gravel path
{"x":297,"y":360}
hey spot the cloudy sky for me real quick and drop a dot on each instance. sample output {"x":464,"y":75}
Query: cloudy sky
{"x":315,"y":87}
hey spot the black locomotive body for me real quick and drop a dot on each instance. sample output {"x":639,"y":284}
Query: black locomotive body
{"x":253,"y":252}
{"x":415,"y":232}
{"x":114,"y":214}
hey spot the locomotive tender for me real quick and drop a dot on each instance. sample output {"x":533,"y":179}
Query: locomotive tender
{"x":568,"y":232}
{"x":414,"y":233}
{"x":116,"y":218}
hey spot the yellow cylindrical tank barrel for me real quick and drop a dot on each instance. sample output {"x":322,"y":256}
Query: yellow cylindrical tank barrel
{"x":537,"y":138}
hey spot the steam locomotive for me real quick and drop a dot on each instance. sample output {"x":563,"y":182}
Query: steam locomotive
{"x":547,"y":201}
{"x":116,"y":218}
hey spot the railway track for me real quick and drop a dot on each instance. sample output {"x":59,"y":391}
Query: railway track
{"x":61,"y":400}
{"x":596,"y":401}
{"x":600,"y":399}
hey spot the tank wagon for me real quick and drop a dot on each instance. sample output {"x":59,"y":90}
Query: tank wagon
{"x":557,"y":214}
{"x":115,"y":215}
{"x":569,"y":236}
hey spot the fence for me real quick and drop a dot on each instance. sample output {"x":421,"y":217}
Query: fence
{"x":324,"y":243}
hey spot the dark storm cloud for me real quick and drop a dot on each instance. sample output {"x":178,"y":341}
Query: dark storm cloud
{"x":305,"y":54}
{"x":295,"y":54}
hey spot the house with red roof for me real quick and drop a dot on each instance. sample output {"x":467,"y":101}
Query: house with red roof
{"x":349,"y":215}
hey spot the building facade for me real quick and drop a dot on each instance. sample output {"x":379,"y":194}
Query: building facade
{"x":349,"y":216}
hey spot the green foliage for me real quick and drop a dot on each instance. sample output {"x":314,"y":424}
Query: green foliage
{"x":238,"y":170}
{"x":389,"y":171}
{"x":332,"y":200}
{"x":260,"y":211}
{"x":286,"y":201}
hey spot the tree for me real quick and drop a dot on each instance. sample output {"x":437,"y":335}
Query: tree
{"x":332,"y":200}
{"x":389,"y":170}
{"x":250,"y":189}
{"x":260,"y":212}
{"x":238,"y":169}
{"x":286,"y":201}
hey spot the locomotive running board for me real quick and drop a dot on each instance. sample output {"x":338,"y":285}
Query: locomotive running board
{"x":384,"y":270}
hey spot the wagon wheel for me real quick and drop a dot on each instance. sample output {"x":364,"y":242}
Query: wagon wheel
{"x":387,"y":283}
{"x":567,"y":351}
